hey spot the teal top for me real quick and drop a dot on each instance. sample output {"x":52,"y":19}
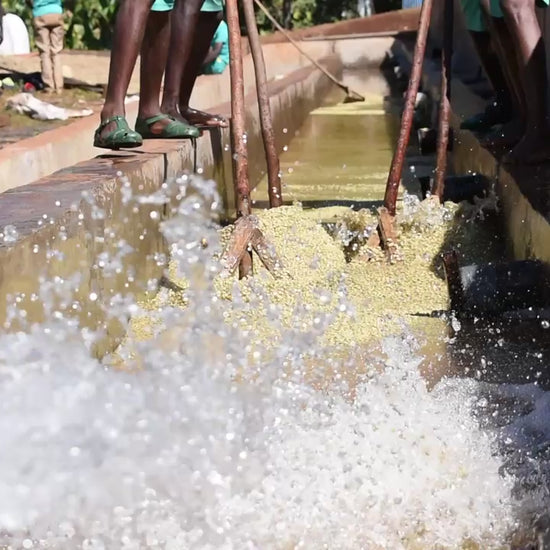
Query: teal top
{"x":222,"y":35}
{"x":45,"y":7}
{"x":208,"y":5}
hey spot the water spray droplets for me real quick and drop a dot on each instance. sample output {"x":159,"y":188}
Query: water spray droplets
{"x":10,"y":234}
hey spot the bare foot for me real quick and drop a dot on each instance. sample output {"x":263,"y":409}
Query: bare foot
{"x":202,"y":119}
{"x":174,"y":113}
{"x":533,"y":148}
{"x":506,"y":136}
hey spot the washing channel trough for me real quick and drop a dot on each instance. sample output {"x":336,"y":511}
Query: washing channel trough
{"x":341,"y":405}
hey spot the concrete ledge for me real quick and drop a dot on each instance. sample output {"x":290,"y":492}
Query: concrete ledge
{"x":36,"y":157}
{"x":524,"y":194}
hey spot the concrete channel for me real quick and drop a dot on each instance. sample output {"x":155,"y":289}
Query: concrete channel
{"x":80,"y":240}
{"x":61,"y":226}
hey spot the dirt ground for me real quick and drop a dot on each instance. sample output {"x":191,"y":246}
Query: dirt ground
{"x":14,"y":126}
{"x":86,"y":67}
{"x":89,"y":67}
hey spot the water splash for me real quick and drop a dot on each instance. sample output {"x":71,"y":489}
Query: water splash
{"x":212,"y":444}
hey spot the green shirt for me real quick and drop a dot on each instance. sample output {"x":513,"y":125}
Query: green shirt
{"x":45,"y":7}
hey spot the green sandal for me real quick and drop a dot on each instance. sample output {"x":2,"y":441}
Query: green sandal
{"x":121,"y":138}
{"x":174,"y":130}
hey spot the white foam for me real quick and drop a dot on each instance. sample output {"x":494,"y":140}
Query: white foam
{"x":179,"y":455}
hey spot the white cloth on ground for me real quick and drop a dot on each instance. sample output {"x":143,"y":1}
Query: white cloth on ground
{"x":29,"y":105}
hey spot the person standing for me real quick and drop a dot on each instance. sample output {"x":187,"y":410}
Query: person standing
{"x":130,"y":29}
{"x":15,"y":36}
{"x":217,"y":58}
{"x":50,"y":33}
{"x":174,"y":118}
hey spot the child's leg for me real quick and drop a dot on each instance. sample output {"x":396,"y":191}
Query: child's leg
{"x":42,"y":39}
{"x":129,"y":30}
{"x":154,"y":54}
{"x":185,"y":16}
{"x":500,"y":109}
{"x":511,"y":132}
{"x":521,"y":19}
{"x":208,"y":23}
{"x":57,"y":35}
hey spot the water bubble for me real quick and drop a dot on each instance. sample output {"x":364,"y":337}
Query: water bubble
{"x":10,"y":234}
{"x":93,"y":544}
{"x":455,"y":324}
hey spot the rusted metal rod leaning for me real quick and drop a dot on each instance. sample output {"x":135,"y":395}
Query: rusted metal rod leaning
{"x":454,"y":281}
{"x":445,"y":102}
{"x":351,"y":95}
{"x":238,"y":136}
{"x":394,"y":177}
{"x":266,"y":121}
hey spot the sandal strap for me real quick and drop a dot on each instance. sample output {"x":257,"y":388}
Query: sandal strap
{"x":120,"y":121}
{"x":157,"y":118}
{"x":174,"y":129}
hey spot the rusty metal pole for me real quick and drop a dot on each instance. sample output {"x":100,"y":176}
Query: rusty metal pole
{"x":266,"y":121}
{"x":454,"y":281}
{"x":394,"y":177}
{"x":445,"y":102}
{"x":238,"y":129}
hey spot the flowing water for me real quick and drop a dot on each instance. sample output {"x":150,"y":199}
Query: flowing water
{"x":219,"y":439}
{"x":342,"y":152}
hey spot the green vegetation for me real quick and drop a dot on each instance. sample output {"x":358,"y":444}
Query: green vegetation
{"x":89,"y":23}
{"x":305,"y":13}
